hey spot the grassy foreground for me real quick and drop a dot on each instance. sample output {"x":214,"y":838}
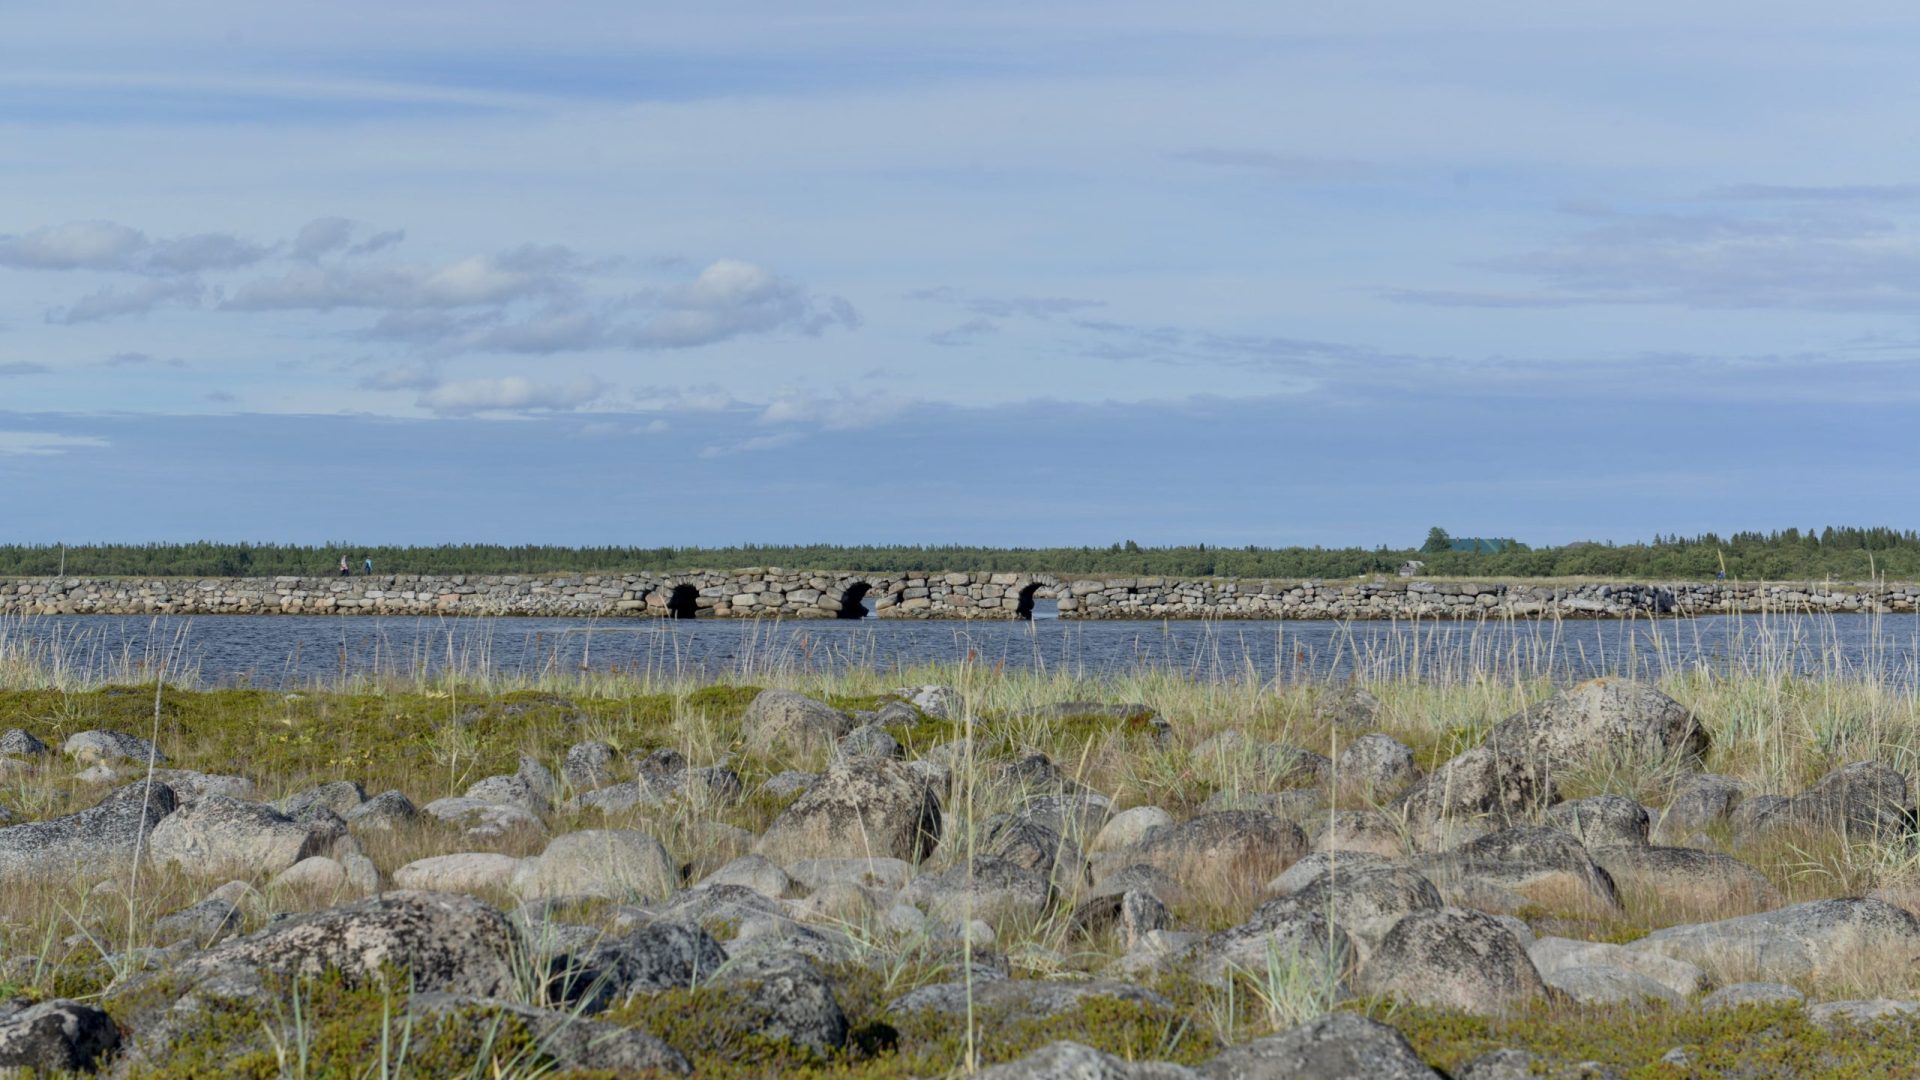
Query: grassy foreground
{"x":432,"y":739}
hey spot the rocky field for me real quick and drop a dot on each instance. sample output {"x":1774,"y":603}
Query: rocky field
{"x":1019,"y":876}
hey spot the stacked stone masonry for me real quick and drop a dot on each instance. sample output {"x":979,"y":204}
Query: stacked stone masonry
{"x":813,"y":594}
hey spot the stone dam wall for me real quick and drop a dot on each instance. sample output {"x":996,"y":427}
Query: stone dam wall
{"x":812,"y":594}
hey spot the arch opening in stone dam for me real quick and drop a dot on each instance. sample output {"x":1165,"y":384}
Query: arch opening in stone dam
{"x":796,"y":594}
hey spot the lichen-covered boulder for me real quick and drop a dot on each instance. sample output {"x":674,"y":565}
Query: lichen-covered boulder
{"x":21,"y":743}
{"x":1601,"y":821}
{"x":647,"y":959}
{"x":382,"y":813}
{"x":1338,"y":1046}
{"x":781,"y":720}
{"x":1602,"y":721}
{"x":442,"y":942}
{"x":1228,"y":844}
{"x":1297,"y":935}
{"x":110,"y":747}
{"x":1687,"y":879}
{"x":58,"y":1036}
{"x":1065,"y":1060}
{"x":458,"y":872}
{"x":224,"y":836}
{"x":620,"y":864}
{"x":984,"y":888}
{"x":1451,"y":958}
{"x":340,"y":796}
{"x":1377,"y":764}
{"x":1864,"y":801}
{"x":1814,"y":942}
{"x":1545,"y":866}
{"x":1482,"y":789}
{"x":96,"y":842}
{"x":859,"y":809}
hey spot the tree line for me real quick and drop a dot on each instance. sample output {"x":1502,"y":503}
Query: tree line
{"x":1850,"y":554}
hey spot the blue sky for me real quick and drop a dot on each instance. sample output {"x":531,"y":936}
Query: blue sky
{"x":993,"y":273}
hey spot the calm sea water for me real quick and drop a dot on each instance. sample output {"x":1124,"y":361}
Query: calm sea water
{"x":292,"y":650}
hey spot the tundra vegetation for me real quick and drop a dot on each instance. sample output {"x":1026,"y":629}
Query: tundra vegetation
{"x":1475,"y":873}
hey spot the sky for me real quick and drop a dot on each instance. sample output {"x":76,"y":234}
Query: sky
{"x":993,"y":273}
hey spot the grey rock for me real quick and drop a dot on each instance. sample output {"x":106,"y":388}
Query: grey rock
{"x":1356,"y":830}
{"x":1368,"y":902}
{"x":513,"y":791}
{"x":21,"y":743}
{"x":1545,"y":866}
{"x":1451,"y":958}
{"x":1131,"y":915}
{"x":1233,"y":844}
{"x":461,"y":871}
{"x":101,"y":841}
{"x":872,"y":808}
{"x":615,"y":863}
{"x":1476,"y":786}
{"x":227,"y":837}
{"x":1600,"y":721}
{"x":1076,"y":816}
{"x":1813,"y":941}
{"x":1860,"y":1013}
{"x":383,"y":812}
{"x":1516,"y":1064}
{"x":1291,"y":933}
{"x":786,"y":998}
{"x":937,"y":702}
{"x":443,"y":942}
{"x":538,"y":778}
{"x":657,"y":956}
{"x":881,"y":874}
{"x":572,"y":1042}
{"x":1704,"y":881}
{"x":782,"y":721}
{"x":869,"y":741}
{"x":482,"y":819}
{"x":1377,"y":763}
{"x":110,"y":747}
{"x":588,"y":765}
{"x":1349,"y":706}
{"x":1700,"y":801}
{"x":206,"y":923}
{"x":985,"y":888}
{"x":1020,"y":998}
{"x":1338,"y":1046}
{"x":1551,"y":955}
{"x":1139,"y":877}
{"x":1864,"y":800}
{"x":1072,"y":1061}
{"x":755,"y":872}
{"x":792,"y":782}
{"x":340,"y":796}
{"x":1129,"y":827}
{"x":1599,"y":984}
{"x":1601,"y":821}
{"x":56,"y":1036}
{"x":1752,"y":993}
{"x":1311,"y":867}
{"x":1035,"y":846}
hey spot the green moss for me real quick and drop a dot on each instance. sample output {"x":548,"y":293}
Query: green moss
{"x":728,"y":702}
{"x":1749,"y":1041}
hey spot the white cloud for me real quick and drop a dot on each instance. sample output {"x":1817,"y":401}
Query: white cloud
{"x":46,"y":443}
{"x":107,"y":245}
{"x":322,"y":236}
{"x":731,"y":298}
{"x":77,"y":245}
{"x":515,"y":393}
{"x":476,"y":281}
{"x":112,"y":303}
